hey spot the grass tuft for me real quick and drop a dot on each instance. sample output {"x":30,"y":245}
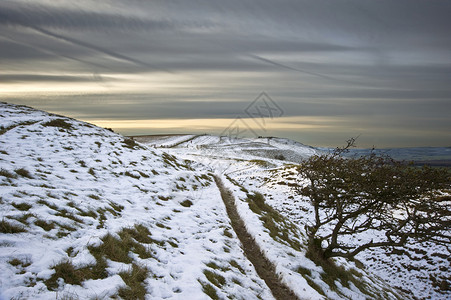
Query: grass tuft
{"x":227,"y":233}
{"x":112,"y":248}
{"x":7,"y":174}
{"x":22,"y":206}
{"x":95,"y":197}
{"x":234,"y":264}
{"x":6,"y":227}
{"x":58,"y":123}
{"x":17,"y":262}
{"x":130,"y":143}
{"x":118,"y":249}
{"x":23,"y":172}
{"x":215,"y":278}
{"x":127,"y":173}
{"x":44,"y":225}
{"x":134,"y":279}
{"x":209,"y":290}
{"x":67,"y":271}
{"x":73,"y":275}
{"x":186,"y":203}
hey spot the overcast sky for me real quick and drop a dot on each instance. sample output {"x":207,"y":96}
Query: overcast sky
{"x":331,"y":70}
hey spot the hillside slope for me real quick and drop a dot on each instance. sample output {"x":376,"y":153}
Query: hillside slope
{"x":87,"y":213}
{"x":421,"y":270}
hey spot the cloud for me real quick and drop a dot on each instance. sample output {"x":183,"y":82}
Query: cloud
{"x":384,"y":60}
{"x":35,"y":15}
{"x":10,"y":78}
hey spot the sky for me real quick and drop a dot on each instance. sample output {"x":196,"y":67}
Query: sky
{"x":319,"y":72}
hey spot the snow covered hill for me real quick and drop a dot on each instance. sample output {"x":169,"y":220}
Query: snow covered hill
{"x":89,"y":214}
{"x":421,"y":270}
{"x":86,"y":212}
{"x":270,"y":149}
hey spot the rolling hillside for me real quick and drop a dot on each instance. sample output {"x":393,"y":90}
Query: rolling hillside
{"x":89,"y":214}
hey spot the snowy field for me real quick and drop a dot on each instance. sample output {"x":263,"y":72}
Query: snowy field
{"x":89,"y":214}
{"x":421,"y":270}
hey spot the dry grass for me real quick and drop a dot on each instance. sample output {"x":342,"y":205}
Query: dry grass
{"x":134,"y":279}
{"x":6,"y":227}
{"x":58,"y":123}
{"x":73,"y":275}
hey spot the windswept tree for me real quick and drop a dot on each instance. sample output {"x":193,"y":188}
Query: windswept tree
{"x":373,"y":196}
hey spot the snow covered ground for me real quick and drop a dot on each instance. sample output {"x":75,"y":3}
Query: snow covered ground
{"x":68,"y":184}
{"x":89,"y":214}
{"x":421,"y":270}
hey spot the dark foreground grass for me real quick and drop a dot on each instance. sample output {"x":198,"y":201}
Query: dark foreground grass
{"x":6,"y":227}
{"x":76,"y":275}
{"x":134,"y":279}
{"x":116,"y":248}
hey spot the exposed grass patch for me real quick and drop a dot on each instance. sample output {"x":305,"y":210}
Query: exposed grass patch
{"x":173,"y":244}
{"x":209,"y":290}
{"x":118,"y":249}
{"x":134,"y":279}
{"x":88,"y":213}
{"x":47,"y":226}
{"x":67,"y":271}
{"x":73,"y":275}
{"x":48,"y":204}
{"x":95,"y":197}
{"x":127,"y":173}
{"x":227,"y":233}
{"x":131,"y":144}
{"x":102,"y":217}
{"x":23,"y":218}
{"x":67,"y":228}
{"x":234,"y":264}
{"x":23,"y":172}
{"x":215,"y":266}
{"x":164,"y":198}
{"x":22,"y":206}
{"x":70,"y":252}
{"x":186,"y":203}
{"x":116,"y":207}
{"x":6,"y":227}
{"x":215,"y":278}
{"x":19,"y":263}
{"x":112,"y":248}
{"x":58,"y":123}
{"x":7,"y":174}
{"x":279,"y":228}
{"x":3,"y":130}
{"x":66,"y":214}
{"x":139,"y":233}
{"x":143,"y":174}
{"x":82,"y":163}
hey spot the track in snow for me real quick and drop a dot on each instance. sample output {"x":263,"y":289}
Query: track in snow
{"x":265,"y":269}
